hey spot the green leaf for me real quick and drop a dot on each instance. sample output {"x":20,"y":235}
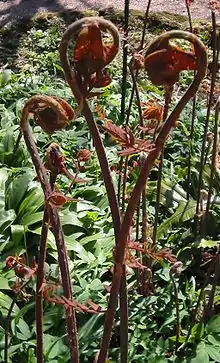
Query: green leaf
{"x":4,"y":283}
{"x":16,"y":188}
{"x":50,"y":237}
{"x":96,"y":284}
{"x":6,"y":219}
{"x":28,"y":220}
{"x":33,"y":201}
{"x":5,"y":77}
{"x":70,"y":217}
{"x":73,"y":245}
{"x":184,"y":212}
{"x":208,"y":243}
{"x":197,"y":331}
{"x":212,"y":339}
{"x":201,"y":354}
{"x":3,"y":178}
{"x":87,"y":329}
{"x":213,"y":325}
{"x":13,"y":348}
{"x":5,"y":303}
{"x":21,"y":329}
{"x":31,"y":356}
{"x":171,"y":193}
{"x":54,"y":346}
{"x":7,"y":146}
{"x":17,"y":233}
{"x":91,"y":238}
{"x":213,"y":352}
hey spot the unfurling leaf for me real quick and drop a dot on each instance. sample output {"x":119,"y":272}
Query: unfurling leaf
{"x":164,"y":65}
{"x":152,"y":110}
{"x":126,"y":139}
{"x":51,"y":119}
{"x":91,"y":55}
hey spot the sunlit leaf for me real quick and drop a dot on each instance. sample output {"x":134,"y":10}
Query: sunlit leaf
{"x":184,"y":212}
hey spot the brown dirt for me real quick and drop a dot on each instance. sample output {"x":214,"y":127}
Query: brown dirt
{"x":14,"y":9}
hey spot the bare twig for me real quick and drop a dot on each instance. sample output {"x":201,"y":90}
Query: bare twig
{"x":213,"y":79}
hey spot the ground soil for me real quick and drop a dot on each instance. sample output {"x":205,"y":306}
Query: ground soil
{"x":14,"y":9}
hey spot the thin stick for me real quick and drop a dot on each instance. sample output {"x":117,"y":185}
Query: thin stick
{"x":213,"y":78}
{"x":214,"y":153}
{"x":177,"y":310}
{"x":190,"y":145}
{"x":189,"y":16}
{"x":167,"y":96}
{"x":193,"y":113}
{"x":139,"y":49}
{"x":40,"y":280}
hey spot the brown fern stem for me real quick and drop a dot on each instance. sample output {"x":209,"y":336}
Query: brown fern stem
{"x":71,"y":79}
{"x":54,"y":220}
{"x":144,"y":173}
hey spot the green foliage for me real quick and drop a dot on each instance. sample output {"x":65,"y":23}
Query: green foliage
{"x":87,"y":224}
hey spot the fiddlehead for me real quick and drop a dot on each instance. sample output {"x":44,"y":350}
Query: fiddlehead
{"x":90,"y":55}
{"x":158,"y":47}
{"x":78,"y":82}
{"x":41,"y":107}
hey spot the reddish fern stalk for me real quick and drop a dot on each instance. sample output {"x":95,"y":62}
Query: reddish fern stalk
{"x":51,"y":213}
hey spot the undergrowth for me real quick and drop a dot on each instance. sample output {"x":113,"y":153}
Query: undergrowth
{"x":87,"y":224}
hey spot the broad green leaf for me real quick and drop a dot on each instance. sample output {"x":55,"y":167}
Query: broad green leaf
{"x":6,"y":219}
{"x":54,"y":346}
{"x":28,"y":220}
{"x":7,"y":146}
{"x":197,"y":331}
{"x":159,"y":360}
{"x":201,"y":354}
{"x":91,"y":238}
{"x":70,"y":217}
{"x":5,"y":77}
{"x":32,"y":202}
{"x":184,"y":212}
{"x":73,"y":245}
{"x":31,"y":356}
{"x":213,"y":325}
{"x":5,"y":303}
{"x":171,"y":193}
{"x":84,"y":206}
{"x":17,"y":233}
{"x":101,"y":257}
{"x":96,"y":284}
{"x":13,"y":348}
{"x":21,"y":329}
{"x":4,"y":283}
{"x":213,"y":352}
{"x":3,"y":178}
{"x":16,"y":188}
{"x":212,"y":339}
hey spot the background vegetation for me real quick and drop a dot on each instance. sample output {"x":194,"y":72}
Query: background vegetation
{"x":34,"y":68}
